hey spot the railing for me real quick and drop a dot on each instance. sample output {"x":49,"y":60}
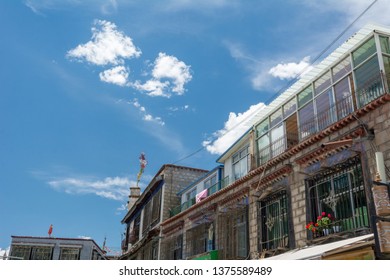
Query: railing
{"x":277,"y":147}
{"x":371,"y":90}
{"x":341,"y":195}
{"x":211,"y":190}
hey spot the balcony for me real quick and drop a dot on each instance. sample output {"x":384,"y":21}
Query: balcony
{"x":211,"y":190}
{"x":374,"y":88}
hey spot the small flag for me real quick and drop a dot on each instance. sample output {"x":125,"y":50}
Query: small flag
{"x":143,"y":164}
{"x":50,"y":230}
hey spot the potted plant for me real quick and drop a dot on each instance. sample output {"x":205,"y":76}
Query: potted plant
{"x":322,"y":225}
{"x":324,"y":222}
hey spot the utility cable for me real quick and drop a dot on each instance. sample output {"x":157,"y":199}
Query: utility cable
{"x":288,"y":84}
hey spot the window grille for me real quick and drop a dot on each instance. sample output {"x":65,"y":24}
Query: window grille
{"x":233,"y":232}
{"x":273,"y":222}
{"x":339,"y":191}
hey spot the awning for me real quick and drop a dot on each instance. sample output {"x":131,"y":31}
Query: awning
{"x":315,"y":252}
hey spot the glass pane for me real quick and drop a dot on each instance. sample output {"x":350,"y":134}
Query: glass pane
{"x":385,"y":47}
{"x":322,"y":83}
{"x":306,"y":120}
{"x":364,"y":52}
{"x":368,"y":81}
{"x":276,"y":117}
{"x":277,"y":137}
{"x":343,"y":96}
{"x":341,"y":69}
{"x":262,"y":128}
{"x":289,"y":107}
{"x":324,"y":105}
{"x":304,"y":96}
{"x":263,"y":149}
{"x":386,"y":61}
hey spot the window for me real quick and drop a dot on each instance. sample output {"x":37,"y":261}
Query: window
{"x":134,"y":234}
{"x":197,"y":239}
{"x":233,"y":232}
{"x":325,"y":109}
{"x":262,"y":128}
{"x":156,"y":209}
{"x":368,"y":81}
{"x":151,"y":211}
{"x":41,"y":253}
{"x":341,"y":69}
{"x":277,"y":140}
{"x":364,"y":52}
{"x":305,"y":96}
{"x":96,"y":255}
{"x":241,"y":163}
{"x":339,"y":191}
{"x":21,"y":252}
{"x":263,"y":149}
{"x":385,"y":47}
{"x":307,"y":125}
{"x":178,"y":247}
{"x":289,"y":107}
{"x":322,"y":83}
{"x":386,"y":61}
{"x":210,"y":181}
{"x":276,"y":117}
{"x":191,"y":196}
{"x":273,"y":222}
{"x":343,"y":95}
{"x":147,"y":216}
{"x":70,"y":254}
{"x":172,"y":247}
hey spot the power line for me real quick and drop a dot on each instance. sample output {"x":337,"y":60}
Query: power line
{"x":289,"y":83}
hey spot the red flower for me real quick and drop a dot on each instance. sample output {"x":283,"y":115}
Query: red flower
{"x":323,"y":214}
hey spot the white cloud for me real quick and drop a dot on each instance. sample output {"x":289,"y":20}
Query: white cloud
{"x":107,"y":46}
{"x":169,"y":75}
{"x":291,"y":70}
{"x":150,"y":118}
{"x":179,"y":108}
{"x":121,"y":209}
{"x":117,"y":75}
{"x":169,"y":67}
{"x":115,"y":188}
{"x":146,"y":116}
{"x":234,"y":128}
{"x":153,"y":87}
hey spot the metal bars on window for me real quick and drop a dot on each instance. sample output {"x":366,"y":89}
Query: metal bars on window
{"x":339,"y":191}
{"x":273,"y":222}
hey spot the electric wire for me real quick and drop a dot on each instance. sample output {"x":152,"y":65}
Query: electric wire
{"x":223,"y":133}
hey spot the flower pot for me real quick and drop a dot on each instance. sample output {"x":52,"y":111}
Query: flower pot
{"x":326,"y":231}
{"x":336,"y":229}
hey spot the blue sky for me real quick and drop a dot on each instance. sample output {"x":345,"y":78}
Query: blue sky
{"x":86,"y":86}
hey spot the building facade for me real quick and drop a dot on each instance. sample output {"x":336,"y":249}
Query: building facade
{"x":148,"y":210}
{"x":303,"y":175}
{"x":52,"y":248}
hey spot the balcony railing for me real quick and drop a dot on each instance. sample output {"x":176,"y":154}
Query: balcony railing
{"x":371,"y":90}
{"x":277,"y":147}
{"x":211,"y":190}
